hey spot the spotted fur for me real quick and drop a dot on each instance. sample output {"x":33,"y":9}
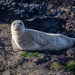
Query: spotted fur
{"x":29,"y":39}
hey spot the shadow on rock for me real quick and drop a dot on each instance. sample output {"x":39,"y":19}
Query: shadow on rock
{"x":2,"y":45}
{"x":50,"y":25}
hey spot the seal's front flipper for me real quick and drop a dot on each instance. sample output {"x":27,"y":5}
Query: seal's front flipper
{"x":15,"y":48}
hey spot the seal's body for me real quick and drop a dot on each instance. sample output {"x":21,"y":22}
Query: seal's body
{"x":29,"y":39}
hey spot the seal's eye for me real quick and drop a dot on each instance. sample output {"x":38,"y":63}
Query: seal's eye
{"x":20,"y":23}
{"x":14,"y":24}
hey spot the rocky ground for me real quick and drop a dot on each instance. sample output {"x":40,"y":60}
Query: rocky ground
{"x":46,"y":16}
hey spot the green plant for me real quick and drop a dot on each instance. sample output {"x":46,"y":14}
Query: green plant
{"x":70,"y":63}
{"x":35,"y":68}
{"x":70,"y":66}
{"x":26,"y":54}
{"x":30,"y":55}
{"x":56,"y":66}
{"x":35,"y":54}
{"x":5,"y":69}
{"x":2,"y":50}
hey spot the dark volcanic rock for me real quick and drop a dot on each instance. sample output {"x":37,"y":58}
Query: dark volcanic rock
{"x":71,"y":53}
{"x":15,"y":61}
{"x":50,"y":25}
{"x":49,"y":16}
{"x":3,"y":64}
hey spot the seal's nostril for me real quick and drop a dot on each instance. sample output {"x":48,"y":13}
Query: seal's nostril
{"x":18,"y":26}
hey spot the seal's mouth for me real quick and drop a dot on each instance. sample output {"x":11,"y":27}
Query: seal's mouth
{"x":17,"y":29}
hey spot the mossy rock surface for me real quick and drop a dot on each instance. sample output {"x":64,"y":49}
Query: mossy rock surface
{"x":70,"y":66}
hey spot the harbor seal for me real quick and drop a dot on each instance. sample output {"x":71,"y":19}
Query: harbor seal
{"x":29,"y":39}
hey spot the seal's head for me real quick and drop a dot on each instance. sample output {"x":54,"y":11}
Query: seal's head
{"x":17,"y":26}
